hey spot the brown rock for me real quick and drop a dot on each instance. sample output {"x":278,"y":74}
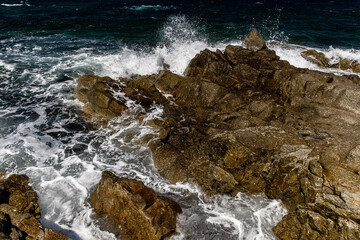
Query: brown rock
{"x":254,"y":41}
{"x":346,"y":64}
{"x":319,"y":59}
{"x":355,"y":67}
{"x":19,"y":211}
{"x":243,"y":120}
{"x":135,"y":207}
{"x":343,"y":64}
{"x":315,"y":57}
{"x":96,"y":93}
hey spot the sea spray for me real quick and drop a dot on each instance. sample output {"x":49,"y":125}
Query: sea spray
{"x":44,"y":134}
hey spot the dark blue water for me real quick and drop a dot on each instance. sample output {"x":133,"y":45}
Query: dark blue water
{"x":46,"y":45}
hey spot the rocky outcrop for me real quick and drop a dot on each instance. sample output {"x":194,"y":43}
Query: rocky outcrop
{"x":136,"y":208}
{"x":19,"y":212}
{"x":319,"y":59}
{"x":254,"y":41}
{"x":98,"y":96}
{"x":244,"y":120}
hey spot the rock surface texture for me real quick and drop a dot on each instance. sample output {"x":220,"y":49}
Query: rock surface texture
{"x":254,"y":41}
{"x":243,"y":120}
{"x":136,"y":208}
{"x":19,"y":212}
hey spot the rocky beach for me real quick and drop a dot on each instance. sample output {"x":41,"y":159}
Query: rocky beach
{"x":179,"y":120}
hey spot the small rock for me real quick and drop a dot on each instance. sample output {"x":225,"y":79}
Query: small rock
{"x":254,"y":41}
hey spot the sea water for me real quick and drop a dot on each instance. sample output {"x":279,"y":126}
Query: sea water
{"x":46,"y":45}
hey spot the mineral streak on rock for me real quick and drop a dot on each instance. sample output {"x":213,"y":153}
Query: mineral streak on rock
{"x":19,"y":211}
{"x":136,"y":208}
{"x":243,"y":120}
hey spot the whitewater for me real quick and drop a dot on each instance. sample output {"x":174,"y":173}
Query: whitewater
{"x":44,"y":135}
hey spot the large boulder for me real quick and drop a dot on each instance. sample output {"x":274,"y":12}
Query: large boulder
{"x":19,"y":212}
{"x":136,"y":208}
{"x":244,"y":120}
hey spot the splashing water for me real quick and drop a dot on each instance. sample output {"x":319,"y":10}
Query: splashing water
{"x":44,"y":135}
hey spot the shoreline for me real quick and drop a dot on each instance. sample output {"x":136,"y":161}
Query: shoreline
{"x":253,"y":123}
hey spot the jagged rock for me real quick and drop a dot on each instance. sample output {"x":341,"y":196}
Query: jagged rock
{"x":19,"y":211}
{"x":254,"y":41}
{"x":136,"y":208}
{"x":242,"y":120}
{"x":96,"y":93}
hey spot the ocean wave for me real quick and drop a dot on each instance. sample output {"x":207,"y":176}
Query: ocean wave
{"x":7,"y":66}
{"x":292,"y":54}
{"x":15,"y":4}
{"x":150,"y":7}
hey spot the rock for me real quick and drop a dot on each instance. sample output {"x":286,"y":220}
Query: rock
{"x":19,"y":211}
{"x":96,"y":93}
{"x":315,"y":57}
{"x":254,"y":41}
{"x":355,"y":67}
{"x":319,"y":59}
{"x":346,"y":64}
{"x":243,"y":120}
{"x":343,"y":64}
{"x":136,"y":208}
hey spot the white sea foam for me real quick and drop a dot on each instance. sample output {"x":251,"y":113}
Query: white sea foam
{"x":150,"y":7}
{"x":7,"y":66}
{"x":12,"y":5}
{"x":292,"y":54}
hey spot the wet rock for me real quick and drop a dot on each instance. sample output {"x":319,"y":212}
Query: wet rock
{"x":316,"y":57}
{"x":346,"y":64}
{"x":254,"y":41}
{"x":96,"y":93}
{"x":136,"y":208}
{"x":19,"y":211}
{"x":243,"y":120}
{"x":319,"y":59}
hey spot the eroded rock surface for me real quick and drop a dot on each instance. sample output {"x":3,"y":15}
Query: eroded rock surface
{"x":136,"y":208}
{"x":19,"y":211}
{"x":243,"y":120}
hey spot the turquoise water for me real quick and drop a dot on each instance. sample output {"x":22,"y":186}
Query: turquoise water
{"x":46,"y":45}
